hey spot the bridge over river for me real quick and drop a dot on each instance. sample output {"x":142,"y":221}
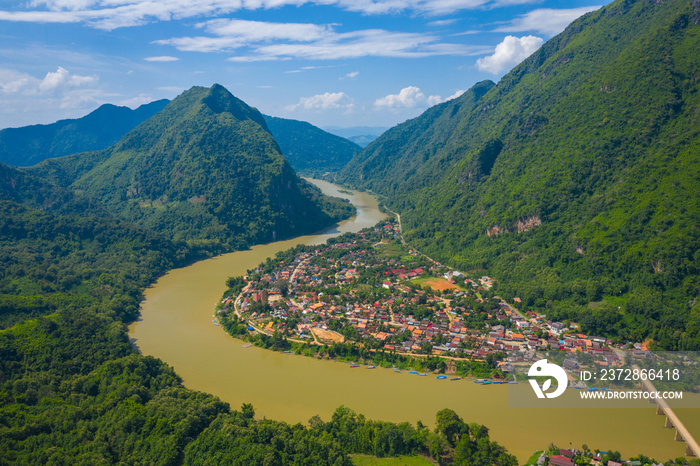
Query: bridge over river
{"x":682,"y":434}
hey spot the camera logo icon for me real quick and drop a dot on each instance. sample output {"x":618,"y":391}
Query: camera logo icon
{"x":543,"y":368}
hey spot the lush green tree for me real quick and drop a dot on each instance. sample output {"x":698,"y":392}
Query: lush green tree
{"x":450,"y":425}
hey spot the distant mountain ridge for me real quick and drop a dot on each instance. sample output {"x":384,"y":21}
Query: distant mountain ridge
{"x":350,"y":131}
{"x":204,"y":169}
{"x":310,"y":150}
{"x":97,"y":130}
{"x":360,"y":135}
{"x":573,"y":179}
{"x":362,"y":140}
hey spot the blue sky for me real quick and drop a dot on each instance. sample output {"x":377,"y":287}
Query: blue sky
{"x":329,"y":62}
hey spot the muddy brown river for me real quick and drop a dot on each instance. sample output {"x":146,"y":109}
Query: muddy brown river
{"x":176,"y":326}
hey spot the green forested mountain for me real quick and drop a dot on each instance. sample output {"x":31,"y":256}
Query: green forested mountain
{"x":59,"y":249}
{"x":308,"y":149}
{"x":573,"y":180}
{"x":97,"y":130}
{"x":205,"y":168}
{"x":22,"y":188}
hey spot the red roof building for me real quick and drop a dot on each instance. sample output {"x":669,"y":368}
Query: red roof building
{"x":558,"y":460}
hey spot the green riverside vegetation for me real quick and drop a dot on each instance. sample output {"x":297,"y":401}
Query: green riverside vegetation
{"x":573,"y":180}
{"x":60,"y":250}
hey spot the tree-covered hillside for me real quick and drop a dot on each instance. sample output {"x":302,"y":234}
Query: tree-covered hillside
{"x":204,"y":169}
{"x":59,"y":249}
{"x":573,"y":179}
{"x":99,"y":129}
{"x":73,"y":390}
{"x":308,"y":149}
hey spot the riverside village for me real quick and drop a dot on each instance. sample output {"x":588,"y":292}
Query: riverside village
{"x":372,"y":301}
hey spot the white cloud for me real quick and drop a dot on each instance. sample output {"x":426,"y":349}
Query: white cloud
{"x":255,"y":31}
{"x":327,"y":101}
{"x":112,"y":14}
{"x":306,"y":68}
{"x":231,"y":34}
{"x":356,"y":44}
{"x":251,"y":58}
{"x":411,"y":97}
{"x":509,"y":53}
{"x":434,"y":100}
{"x":60,"y":81}
{"x":500,"y":3}
{"x":455,"y":95}
{"x":161,"y":59}
{"x":137,"y":101}
{"x":61,"y":5}
{"x":63,"y":80}
{"x":352,"y":75}
{"x":546,"y":20}
{"x":470,"y":32}
{"x":13,"y":82}
{"x":443,"y":22}
{"x":281,"y":41}
{"x":408,"y":97}
{"x":26,"y":99}
{"x":81,"y":98}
